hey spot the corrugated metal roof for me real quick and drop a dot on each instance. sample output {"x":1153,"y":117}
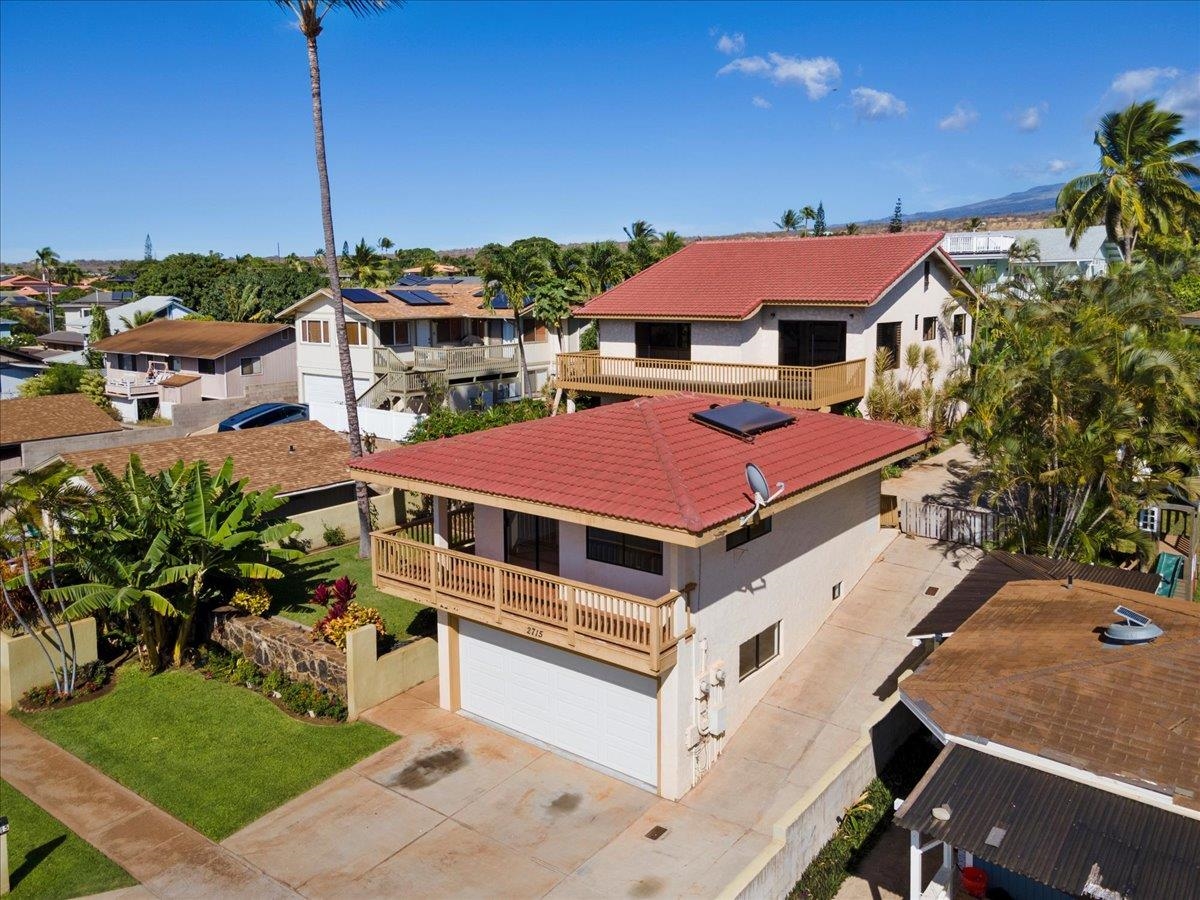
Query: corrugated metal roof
{"x":998,"y":568}
{"x":1062,"y":833}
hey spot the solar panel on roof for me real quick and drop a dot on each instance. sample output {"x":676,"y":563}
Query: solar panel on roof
{"x":419,"y":298}
{"x":361,"y":295}
{"x":744,"y":419}
{"x":411,"y":279}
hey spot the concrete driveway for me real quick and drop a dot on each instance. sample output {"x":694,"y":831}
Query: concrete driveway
{"x":459,"y":809}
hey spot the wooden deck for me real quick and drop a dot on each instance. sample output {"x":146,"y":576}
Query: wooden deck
{"x":802,"y":387}
{"x":633,"y":632}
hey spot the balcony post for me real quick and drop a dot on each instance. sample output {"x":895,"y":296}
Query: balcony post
{"x":571,"y":608}
{"x":655,"y":636}
{"x":497,"y":590}
{"x":441,"y":523}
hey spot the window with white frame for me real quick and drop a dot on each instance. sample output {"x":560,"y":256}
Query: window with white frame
{"x":394,"y":334}
{"x":356,"y":334}
{"x":314,"y":331}
{"x":252,"y":365}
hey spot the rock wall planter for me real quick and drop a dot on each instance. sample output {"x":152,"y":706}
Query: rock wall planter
{"x":278,"y":643}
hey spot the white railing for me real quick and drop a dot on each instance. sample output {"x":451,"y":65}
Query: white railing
{"x":462,"y":361}
{"x":969,"y":242}
{"x":132,"y":385}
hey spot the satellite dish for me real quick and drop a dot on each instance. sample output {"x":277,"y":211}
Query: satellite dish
{"x":761,"y":490}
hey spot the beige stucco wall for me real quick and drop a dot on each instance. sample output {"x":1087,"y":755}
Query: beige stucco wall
{"x":372,"y":679}
{"x":23,"y":665}
{"x":345,"y":516}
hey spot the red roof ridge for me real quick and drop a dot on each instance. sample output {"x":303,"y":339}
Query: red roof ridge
{"x":687,"y":508}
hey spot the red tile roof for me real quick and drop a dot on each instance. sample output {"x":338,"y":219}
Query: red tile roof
{"x":645,"y":460}
{"x":732,"y":279}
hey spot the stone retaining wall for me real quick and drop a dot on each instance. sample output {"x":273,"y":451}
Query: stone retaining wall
{"x":280,"y":644}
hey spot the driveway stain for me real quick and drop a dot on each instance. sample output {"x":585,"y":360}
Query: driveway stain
{"x":430,"y":769}
{"x":646,"y":887}
{"x":564,"y":803}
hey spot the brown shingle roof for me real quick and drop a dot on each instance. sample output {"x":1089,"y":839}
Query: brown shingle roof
{"x":1000,"y":567}
{"x":1029,"y":671}
{"x":42,"y":418}
{"x":295,"y":457}
{"x":463,"y":300}
{"x":188,"y":337}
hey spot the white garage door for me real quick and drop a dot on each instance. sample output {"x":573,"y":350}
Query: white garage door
{"x":328,"y":388}
{"x":602,"y":713}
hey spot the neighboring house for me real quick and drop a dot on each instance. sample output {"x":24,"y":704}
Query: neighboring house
{"x":438,"y":268}
{"x":1191,"y":319}
{"x":66,"y":341}
{"x":614,"y":606}
{"x":16,"y":366}
{"x":1000,"y":567}
{"x":17,"y":300}
{"x":30,"y":285}
{"x":26,"y":421}
{"x":77,"y":314}
{"x":305,"y":461}
{"x":1071,"y":765}
{"x":794,"y":321}
{"x":160,"y":306}
{"x":1093,"y":255}
{"x":6,"y":328}
{"x":406,"y":337}
{"x":171,"y":361}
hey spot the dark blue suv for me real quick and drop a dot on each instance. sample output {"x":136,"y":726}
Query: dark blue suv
{"x":265,"y":414}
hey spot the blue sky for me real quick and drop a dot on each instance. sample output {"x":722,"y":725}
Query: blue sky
{"x":452,"y":124}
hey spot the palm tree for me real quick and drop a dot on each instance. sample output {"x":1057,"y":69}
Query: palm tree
{"x":68,"y":273}
{"x":807,"y":213}
{"x":851,"y":228}
{"x":385,"y":244}
{"x":975,"y":223}
{"x":1140,"y":187}
{"x":245,"y":305}
{"x":789,"y":221}
{"x":140,"y":318}
{"x":1025,"y":250}
{"x":515,"y":272}
{"x":605,"y":266}
{"x":641,"y":230}
{"x":669,"y":242}
{"x":37,"y":510}
{"x":310,"y":15}
{"x":366,"y":266}
{"x":47,"y":259}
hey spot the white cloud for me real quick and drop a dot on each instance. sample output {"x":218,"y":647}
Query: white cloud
{"x":1139,"y":81}
{"x":871,"y":104}
{"x":731,"y":44}
{"x":1030,"y":118}
{"x":961,"y":119}
{"x":761,"y":102}
{"x":1183,"y":97}
{"x":818,"y":75}
{"x":1058,"y":166}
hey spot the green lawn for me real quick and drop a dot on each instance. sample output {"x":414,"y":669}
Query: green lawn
{"x":212,"y":754}
{"x":48,"y":861}
{"x":403,"y":618}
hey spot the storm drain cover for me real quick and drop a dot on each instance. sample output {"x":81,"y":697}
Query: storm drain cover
{"x":656,"y":832}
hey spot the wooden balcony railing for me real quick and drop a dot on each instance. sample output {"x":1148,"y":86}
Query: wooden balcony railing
{"x":805,"y":387}
{"x":461,"y":522}
{"x":632,"y":632}
{"x":134,"y":384}
{"x":463,"y":362}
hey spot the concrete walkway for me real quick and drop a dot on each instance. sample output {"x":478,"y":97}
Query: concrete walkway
{"x":460,"y":809}
{"x":167,"y":857}
{"x":942,"y":478}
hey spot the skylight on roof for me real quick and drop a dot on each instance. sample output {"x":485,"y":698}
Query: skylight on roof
{"x":744,"y":419}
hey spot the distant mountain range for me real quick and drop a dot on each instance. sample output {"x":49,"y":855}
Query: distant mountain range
{"x":1039,"y":199}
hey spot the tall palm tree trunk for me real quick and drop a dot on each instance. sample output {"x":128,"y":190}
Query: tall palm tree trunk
{"x":339,"y":312}
{"x":523,"y":366}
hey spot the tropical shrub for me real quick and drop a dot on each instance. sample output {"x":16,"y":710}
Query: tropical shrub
{"x":254,"y":599}
{"x":335,"y":628}
{"x":333,"y":535}
{"x":445,"y":422}
{"x":89,"y":678}
{"x":298,"y":697}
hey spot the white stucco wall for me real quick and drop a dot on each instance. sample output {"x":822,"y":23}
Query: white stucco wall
{"x":786,"y":576}
{"x":756,"y":339}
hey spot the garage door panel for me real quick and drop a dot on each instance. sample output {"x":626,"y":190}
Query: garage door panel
{"x":328,"y":388}
{"x":596,"y":711}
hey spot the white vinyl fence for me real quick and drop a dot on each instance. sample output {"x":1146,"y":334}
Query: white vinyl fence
{"x":387,"y":424}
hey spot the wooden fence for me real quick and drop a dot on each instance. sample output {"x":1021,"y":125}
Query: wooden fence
{"x":952,"y":524}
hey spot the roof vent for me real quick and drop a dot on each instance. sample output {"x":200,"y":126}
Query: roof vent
{"x":1136,"y":629}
